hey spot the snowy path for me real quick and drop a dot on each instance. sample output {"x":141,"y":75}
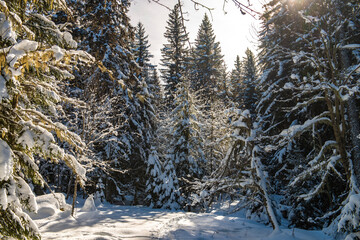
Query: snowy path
{"x":109,"y":222}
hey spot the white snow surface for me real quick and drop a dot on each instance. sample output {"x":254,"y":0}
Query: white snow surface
{"x":89,"y":205}
{"x":6,"y":161}
{"x":350,"y":214}
{"x":3,"y":89}
{"x":6,"y":30}
{"x":26,"y":139}
{"x":289,"y":85}
{"x":136,"y":222}
{"x":351,"y":46}
{"x":59,"y":53}
{"x":19,"y":50}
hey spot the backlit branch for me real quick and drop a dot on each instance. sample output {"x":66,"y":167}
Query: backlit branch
{"x":161,"y":4}
{"x":197,"y":4}
{"x":183,"y":22}
{"x":244,"y":8}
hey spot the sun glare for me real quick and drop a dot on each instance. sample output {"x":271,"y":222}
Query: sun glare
{"x":295,"y":3}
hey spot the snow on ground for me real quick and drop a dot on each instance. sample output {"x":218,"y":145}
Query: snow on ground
{"x":110,"y":222}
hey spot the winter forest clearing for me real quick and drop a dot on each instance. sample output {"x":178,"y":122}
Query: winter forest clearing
{"x":106,"y":221}
{"x":189,"y":148}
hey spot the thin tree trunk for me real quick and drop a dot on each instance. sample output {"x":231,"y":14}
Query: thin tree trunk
{"x":262,"y":184}
{"x":335,"y":122}
{"x":58,"y":187}
{"x":84,"y":124}
{"x":74,"y":198}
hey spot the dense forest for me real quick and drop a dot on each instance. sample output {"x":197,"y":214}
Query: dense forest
{"x":82,"y":110}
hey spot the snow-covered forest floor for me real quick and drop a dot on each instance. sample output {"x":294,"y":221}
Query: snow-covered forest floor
{"x":106,"y":221}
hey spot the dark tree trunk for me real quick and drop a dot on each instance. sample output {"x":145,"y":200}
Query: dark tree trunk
{"x":74,"y":198}
{"x":353,"y":114}
{"x":354,"y":123}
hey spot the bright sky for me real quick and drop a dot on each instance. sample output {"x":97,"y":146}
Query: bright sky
{"x":234,"y":31}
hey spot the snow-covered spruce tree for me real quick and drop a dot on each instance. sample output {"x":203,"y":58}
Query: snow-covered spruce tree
{"x":103,"y":120}
{"x":148,"y":76}
{"x":149,"y":96}
{"x":185,"y":150}
{"x":333,"y":29}
{"x":236,"y":82}
{"x":207,"y":81}
{"x":243,"y":81}
{"x":277,"y":92}
{"x":210,"y":189}
{"x":79,"y":118}
{"x":224,"y":85}
{"x":99,"y":134}
{"x":95,"y":118}
{"x":313,"y":149}
{"x":162,"y":186}
{"x":170,"y":192}
{"x":155,"y":89}
{"x":213,"y":128}
{"x":35,"y":56}
{"x":155,"y":179}
{"x":207,"y":61}
{"x":174,"y":54}
{"x":105,"y":32}
{"x":69,"y":113}
{"x":141,"y":46}
{"x":148,"y":71}
{"x":249,"y":95}
{"x":215,"y":123}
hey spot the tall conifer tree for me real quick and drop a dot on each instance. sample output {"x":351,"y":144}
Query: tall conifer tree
{"x":186,"y":147}
{"x":174,"y":53}
{"x":249,"y":96}
{"x":236,"y":81}
{"x":36,"y":57}
{"x":208,"y":82}
{"x":119,"y":122}
{"x":141,"y":46}
{"x":207,"y":62}
{"x":302,"y":108}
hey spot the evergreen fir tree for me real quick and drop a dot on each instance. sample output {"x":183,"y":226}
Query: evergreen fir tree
{"x":249,"y":95}
{"x":148,"y":75}
{"x":170,"y":195}
{"x":155,"y":180}
{"x":224,"y":86}
{"x":141,"y":46}
{"x":116,"y":91}
{"x":36,"y":57}
{"x":185,"y":150}
{"x":276,"y":86}
{"x":174,"y":53}
{"x":207,"y":62}
{"x":236,"y":81}
{"x":243,"y":80}
{"x":309,"y":126}
{"x":208,"y":80}
{"x":155,"y":89}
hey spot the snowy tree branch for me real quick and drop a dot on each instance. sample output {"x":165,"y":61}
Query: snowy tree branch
{"x":297,"y":130}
